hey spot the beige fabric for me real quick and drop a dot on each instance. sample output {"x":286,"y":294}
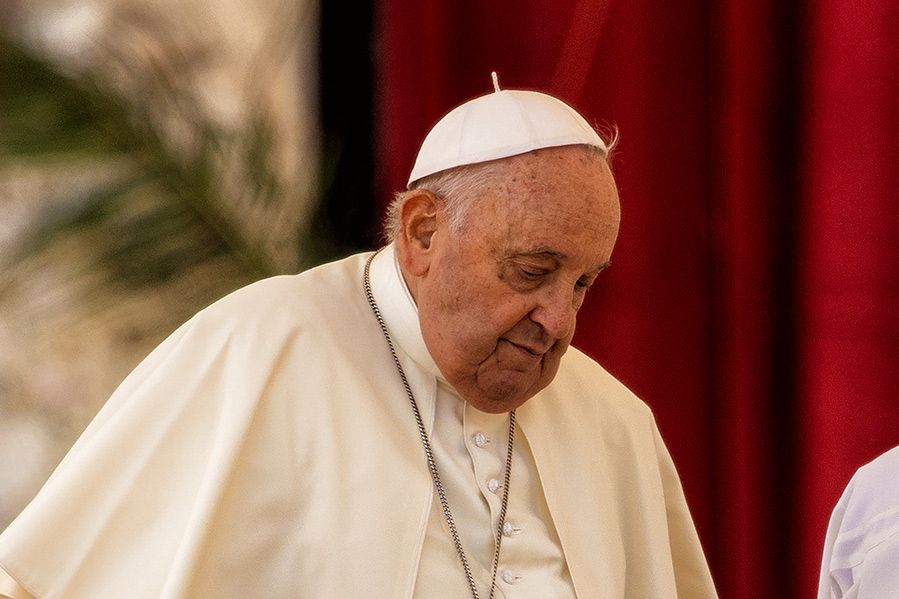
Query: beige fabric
{"x":259,"y":453}
{"x":532,"y":563}
{"x":10,"y":589}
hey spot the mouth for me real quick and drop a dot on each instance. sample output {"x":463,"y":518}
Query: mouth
{"x":534,"y":353}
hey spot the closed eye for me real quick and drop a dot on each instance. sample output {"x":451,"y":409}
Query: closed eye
{"x":532,"y":273}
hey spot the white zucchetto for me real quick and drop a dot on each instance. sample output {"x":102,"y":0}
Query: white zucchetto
{"x":498,"y":125}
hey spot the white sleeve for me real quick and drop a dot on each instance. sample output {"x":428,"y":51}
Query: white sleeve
{"x":861,"y":550}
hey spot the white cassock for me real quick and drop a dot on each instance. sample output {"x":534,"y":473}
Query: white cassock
{"x":267,"y":449}
{"x":861,"y":551}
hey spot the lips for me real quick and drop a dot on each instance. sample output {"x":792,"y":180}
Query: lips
{"x":536,"y":352}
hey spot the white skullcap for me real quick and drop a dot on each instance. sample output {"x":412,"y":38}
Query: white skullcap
{"x":501,"y":124}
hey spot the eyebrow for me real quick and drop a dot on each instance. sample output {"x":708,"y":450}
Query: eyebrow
{"x":558,"y":256}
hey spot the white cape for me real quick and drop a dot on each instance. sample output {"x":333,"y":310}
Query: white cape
{"x":267,"y":449}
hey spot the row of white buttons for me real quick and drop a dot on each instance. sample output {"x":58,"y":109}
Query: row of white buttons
{"x":481,"y":440}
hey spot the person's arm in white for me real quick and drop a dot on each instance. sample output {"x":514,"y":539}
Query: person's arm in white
{"x":861,"y":551}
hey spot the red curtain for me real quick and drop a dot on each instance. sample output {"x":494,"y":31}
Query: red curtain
{"x":754,"y":296}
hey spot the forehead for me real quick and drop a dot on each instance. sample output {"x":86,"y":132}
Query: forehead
{"x":560,"y":201}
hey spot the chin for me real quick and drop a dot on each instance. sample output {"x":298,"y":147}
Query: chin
{"x":493,"y":406}
{"x":498,"y":399}
{"x":497,"y":391}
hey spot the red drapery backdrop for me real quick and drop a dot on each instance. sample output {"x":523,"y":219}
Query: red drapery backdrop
{"x":754,"y":296}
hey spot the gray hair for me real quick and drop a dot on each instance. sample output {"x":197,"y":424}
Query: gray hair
{"x":457,"y":187}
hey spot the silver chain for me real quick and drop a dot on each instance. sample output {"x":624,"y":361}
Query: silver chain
{"x":429,"y":454}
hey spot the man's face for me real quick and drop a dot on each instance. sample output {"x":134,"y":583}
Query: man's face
{"x":499,"y":300}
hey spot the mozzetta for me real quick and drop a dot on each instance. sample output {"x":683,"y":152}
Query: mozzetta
{"x":267,"y":449}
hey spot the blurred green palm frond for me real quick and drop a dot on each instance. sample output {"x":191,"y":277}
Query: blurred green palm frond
{"x":163,"y":187}
{"x":45,"y":113}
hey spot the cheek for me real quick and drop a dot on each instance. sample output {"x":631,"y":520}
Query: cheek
{"x":550,"y":366}
{"x":466,"y":334}
{"x":474,"y":314}
{"x":554,"y":356}
{"x":486,"y":316}
{"x":476,"y":334}
{"x":567,"y":340}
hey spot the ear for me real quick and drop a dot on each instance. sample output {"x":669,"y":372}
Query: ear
{"x":419,"y":218}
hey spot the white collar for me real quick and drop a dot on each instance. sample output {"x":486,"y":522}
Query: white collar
{"x":399,"y":310}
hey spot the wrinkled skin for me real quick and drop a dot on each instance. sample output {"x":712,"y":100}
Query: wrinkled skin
{"x":498,"y":301}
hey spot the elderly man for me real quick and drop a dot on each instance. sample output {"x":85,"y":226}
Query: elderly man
{"x":408,"y":423}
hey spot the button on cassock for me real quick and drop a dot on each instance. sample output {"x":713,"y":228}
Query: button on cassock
{"x":509,"y":529}
{"x":510,"y":577}
{"x":480,"y":439}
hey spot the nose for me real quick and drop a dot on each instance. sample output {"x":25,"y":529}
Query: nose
{"x":556,"y":311}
